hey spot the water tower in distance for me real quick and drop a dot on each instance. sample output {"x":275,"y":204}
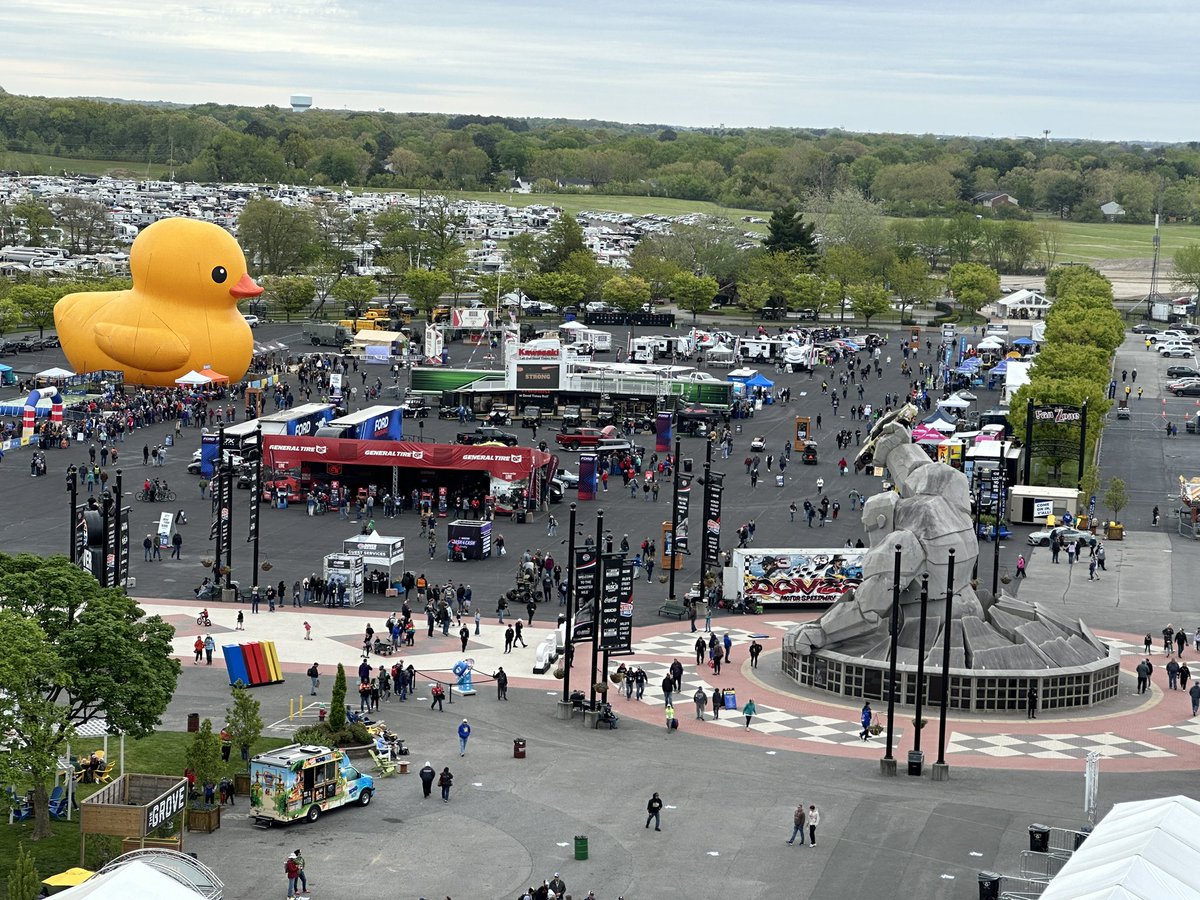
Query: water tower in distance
{"x":301,"y":102}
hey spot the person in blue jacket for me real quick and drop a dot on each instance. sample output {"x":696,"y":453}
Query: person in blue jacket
{"x":464,"y":732}
{"x":865,"y":718}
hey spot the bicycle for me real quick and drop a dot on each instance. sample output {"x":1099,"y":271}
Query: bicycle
{"x":160,"y":496}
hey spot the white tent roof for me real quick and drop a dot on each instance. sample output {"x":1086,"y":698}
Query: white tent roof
{"x":1015,"y":375}
{"x":1146,"y":850}
{"x":134,"y":881}
{"x":55,"y":372}
{"x":990,"y":343}
{"x":193,"y":377}
{"x":572,"y":326}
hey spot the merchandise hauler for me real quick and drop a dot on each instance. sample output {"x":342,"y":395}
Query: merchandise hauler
{"x":298,"y":421}
{"x":375,"y":423}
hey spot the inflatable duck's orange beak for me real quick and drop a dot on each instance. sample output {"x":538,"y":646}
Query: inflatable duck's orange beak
{"x":246,"y":287}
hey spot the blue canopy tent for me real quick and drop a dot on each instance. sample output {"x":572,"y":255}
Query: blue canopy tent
{"x":760,"y":381}
{"x":7,"y":376}
{"x":1023,"y":342}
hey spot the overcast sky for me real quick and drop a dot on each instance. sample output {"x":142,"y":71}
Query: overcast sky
{"x":1099,"y":69}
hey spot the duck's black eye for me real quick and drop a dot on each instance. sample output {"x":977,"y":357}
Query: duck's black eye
{"x":219,"y":274}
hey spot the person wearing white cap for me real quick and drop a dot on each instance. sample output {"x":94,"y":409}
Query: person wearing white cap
{"x":464,"y":732}
{"x":558,"y":886}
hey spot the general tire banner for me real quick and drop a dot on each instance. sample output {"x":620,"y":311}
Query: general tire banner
{"x":712,"y":518}
{"x":505,"y":463}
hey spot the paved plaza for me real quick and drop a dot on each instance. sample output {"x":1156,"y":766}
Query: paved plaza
{"x":729,"y":791}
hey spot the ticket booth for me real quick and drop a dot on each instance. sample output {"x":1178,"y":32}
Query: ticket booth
{"x":803,"y":432}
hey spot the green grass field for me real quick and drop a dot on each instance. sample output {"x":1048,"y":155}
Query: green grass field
{"x":1080,"y":242}
{"x":40,"y":164}
{"x":160,"y":754}
{"x":575,"y":203}
{"x":1086,"y":243}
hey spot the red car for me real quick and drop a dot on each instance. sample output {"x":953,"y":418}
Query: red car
{"x":579,"y":437}
{"x":276,"y":488}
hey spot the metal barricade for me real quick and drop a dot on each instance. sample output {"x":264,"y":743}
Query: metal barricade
{"x":1014,"y":888}
{"x":1066,"y":840}
{"x":1042,"y":865}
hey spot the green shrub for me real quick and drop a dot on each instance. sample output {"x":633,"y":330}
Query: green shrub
{"x":324,"y":735}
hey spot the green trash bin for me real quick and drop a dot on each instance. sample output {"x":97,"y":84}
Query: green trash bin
{"x":581,"y":846}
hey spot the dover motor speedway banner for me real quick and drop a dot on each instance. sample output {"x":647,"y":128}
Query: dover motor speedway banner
{"x":800,"y":576}
{"x":587,"y":572}
{"x":682,"y":507}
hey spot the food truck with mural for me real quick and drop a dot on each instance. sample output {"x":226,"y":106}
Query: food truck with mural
{"x":300,"y":781}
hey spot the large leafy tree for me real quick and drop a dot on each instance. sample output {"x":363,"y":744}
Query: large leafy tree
{"x":74,"y":652}
{"x":693,"y":293}
{"x":869,"y":299}
{"x":85,"y":224}
{"x":425,"y":287}
{"x":559,"y":289}
{"x":974,"y":285}
{"x":277,"y":239}
{"x":36,"y":303}
{"x":356,"y":292}
{"x":787,"y":232}
{"x":10,"y":314}
{"x":844,"y":265}
{"x":626,"y":292}
{"x":290,"y":294}
{"x":1187,"y":268}
{"x":911,"y":283}
{"x":562,"y":238}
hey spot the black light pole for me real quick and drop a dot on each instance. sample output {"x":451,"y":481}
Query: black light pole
{"x":978,"y":503}
{"x":567,"y":645}
{"x":255,"y":503}
{"x":674,"y":524}
{"x":421,"y":428}
{"x":919,"y":757}
{"x":73,"y":490}
{"x":120,"y":493}
{"x":704,"y":519}
{"x":894,"y":631}
{"x":946,"y":629}
{"x":999,"y":512}
{"x":105,"y":515}
{"x":596,"y":609}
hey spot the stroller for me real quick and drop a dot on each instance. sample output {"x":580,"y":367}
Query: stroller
{"x":382,"y":647}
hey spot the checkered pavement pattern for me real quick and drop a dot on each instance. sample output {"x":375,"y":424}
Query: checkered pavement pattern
{"x":682,"y":644}
{"x":1188,"y":731}
{"x":768,"y":720}
{"x":1054,"y":746}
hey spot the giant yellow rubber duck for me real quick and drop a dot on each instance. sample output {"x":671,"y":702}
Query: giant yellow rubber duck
{"x":181,"y":313}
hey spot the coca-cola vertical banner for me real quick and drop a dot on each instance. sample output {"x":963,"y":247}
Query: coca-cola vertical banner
{"x":712,"y":517}
{"x":610,"y":601}
{"x":662,"y":433}
{"x":123,"y":548}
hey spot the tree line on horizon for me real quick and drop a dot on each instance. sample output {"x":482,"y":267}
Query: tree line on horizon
{"x":746,"y":168}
